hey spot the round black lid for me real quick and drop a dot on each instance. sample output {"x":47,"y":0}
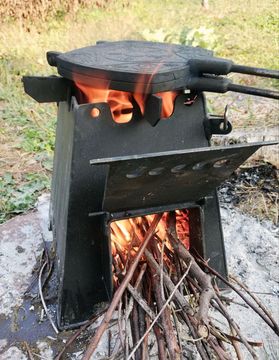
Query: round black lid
{"x":130,"y":65}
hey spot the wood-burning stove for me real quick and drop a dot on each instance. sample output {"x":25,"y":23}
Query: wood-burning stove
{"x":105,"y":171}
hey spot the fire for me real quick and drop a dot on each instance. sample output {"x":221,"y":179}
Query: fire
{"x":124,"y":233}
{"x":121,"y":102}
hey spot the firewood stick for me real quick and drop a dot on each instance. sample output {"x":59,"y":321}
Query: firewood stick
{"x":178,"y":269}
{"x":235,"y":338}
{"x":76,"y":334}
{"x":214,"y":333}
{"x":127,"y":328}
{"x":257,"y":301}
{"x":119,"y":321}
{"x":109,"y":343}
{"x":162,"y":269}
{"x":172,"y":345}
{"x":120,"y":253}
{"x":248,"y":302}
{"x":221,"y":354}
{"x":170,"y":285}
{"x":135,"y":330}
{"x":235,"y":345}
{"x":147,"y":294}
{"x":235,"y":327}
{"x":204,"y":332}
{"x":228,"y":338}
{"x":160,"y":343}
{"x":176,"y":324}
{"x":31,"y":357}
{"x":159,"y":313}
{"x":201,"y":347}
{"x":137,"y":283}
{"x":141,"y":301}
{"x":142,"y":328}
{"x":145,"y":342}
{"x":119,"y":292}
{"x":203,"y":279}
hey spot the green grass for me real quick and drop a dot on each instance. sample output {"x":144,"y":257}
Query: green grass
{"x":245,"y":31}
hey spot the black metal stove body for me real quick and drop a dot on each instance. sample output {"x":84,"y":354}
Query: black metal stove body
{"x":104,"y":171}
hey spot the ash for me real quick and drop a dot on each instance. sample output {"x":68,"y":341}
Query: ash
{"x":252,"y":255}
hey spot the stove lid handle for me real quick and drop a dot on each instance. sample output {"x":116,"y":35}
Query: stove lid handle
{"x":224,"y":67}
{"x":52,"y":57}
{"x":219,"y":84}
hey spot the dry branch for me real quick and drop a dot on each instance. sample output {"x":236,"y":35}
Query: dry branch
{"x":170,"y":337}
{"x":274,"y":327}
{"x":119,"y":292}
{"x":149,"y":319}
{"x":196,"y":272}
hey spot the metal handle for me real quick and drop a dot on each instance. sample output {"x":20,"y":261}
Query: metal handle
{"x":205,"y":77}
{"x":221,"y":85}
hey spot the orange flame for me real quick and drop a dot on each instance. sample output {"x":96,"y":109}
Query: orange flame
{"x":120,"y":102}
{"x":122,"y":231}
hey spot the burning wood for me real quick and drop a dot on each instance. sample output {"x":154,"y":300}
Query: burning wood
{"x":161,"y":290}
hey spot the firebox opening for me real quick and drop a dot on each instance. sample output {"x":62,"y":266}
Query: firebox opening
{"x":122,"y":103}
{"x":126,"y":236}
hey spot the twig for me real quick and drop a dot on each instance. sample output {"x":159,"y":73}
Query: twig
{"x":28,"y":350}
{"x":127,"y":328}
{"x":228,"y":337}
{"x":203,"y":279}
{"x":162,"y":269}
{"x":109,"y":343}
{"x":257,"y":301}
{"x":119,"y":292}
{"x":140,"y":300}
{"x":170,"y":285}
{"x":248,"y":302}
{"x":119,"y":321}
{"x":42,"y":298}
{"x":176,"y":324}
{"x":77,"y":333}
{"x":235,"y":344}
{"x":197,"y":341}
{"x":160,"y":343}
{"x":235,"y":327}
{"x":134,"y":322}
{"x":137,"y":283}
{"x":160,"y":312}
{"x":172,"y":345}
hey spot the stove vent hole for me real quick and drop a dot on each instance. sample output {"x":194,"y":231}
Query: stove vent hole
{"x":136,"y":173}
{"x":95,"y":112}
{"x":178,"y":169}
{"x":156,"y":171}
{"x":221,"y":163}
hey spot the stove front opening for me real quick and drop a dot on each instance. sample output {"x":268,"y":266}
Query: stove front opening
{"x":128,"y":234}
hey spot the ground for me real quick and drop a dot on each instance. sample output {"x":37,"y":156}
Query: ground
{"x":252,"y":254}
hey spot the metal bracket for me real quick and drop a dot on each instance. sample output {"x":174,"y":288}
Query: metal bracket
{"x":217,"y":124}
{"x":153,"y":109}
{"x":47,"y":88}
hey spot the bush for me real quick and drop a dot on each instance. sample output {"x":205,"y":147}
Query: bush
{"x":28,"y":11}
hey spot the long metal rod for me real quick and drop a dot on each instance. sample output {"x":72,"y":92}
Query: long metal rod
{"x":249,"y":70}
{"x":254,"y":91}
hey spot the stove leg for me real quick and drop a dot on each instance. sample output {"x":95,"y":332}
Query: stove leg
{"x":206,"y":233}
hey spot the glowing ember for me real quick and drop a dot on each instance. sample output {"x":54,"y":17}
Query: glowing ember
{"x":121,"y":102}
